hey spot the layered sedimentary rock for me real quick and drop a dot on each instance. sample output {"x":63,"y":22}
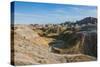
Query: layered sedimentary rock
{"x":28,"y":47}
{"x":83,"y":41}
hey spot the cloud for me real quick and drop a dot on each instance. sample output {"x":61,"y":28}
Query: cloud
{"x":59,"y":11}
{"x":84,"y":11}
{"x":28,"y":15}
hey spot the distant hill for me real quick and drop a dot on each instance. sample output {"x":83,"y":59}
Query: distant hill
{"x":87,"y":20}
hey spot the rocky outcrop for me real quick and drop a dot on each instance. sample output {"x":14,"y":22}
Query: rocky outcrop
{"x":27,"y":47}
{"x":87,"y":20}
{"x":78,"y":42}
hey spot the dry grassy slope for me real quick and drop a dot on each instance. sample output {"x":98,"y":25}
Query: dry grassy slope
{"x":30,"y":48}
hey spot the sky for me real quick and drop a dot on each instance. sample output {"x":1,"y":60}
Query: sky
{"x":48,"y":13}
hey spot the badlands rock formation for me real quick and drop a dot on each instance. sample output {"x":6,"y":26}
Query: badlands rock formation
{"x":27,"y":47}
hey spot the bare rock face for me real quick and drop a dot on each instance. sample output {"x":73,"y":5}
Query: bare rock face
{"x":84,"y":42}
{"x":28,"y":47}
{"x":90,"y":44}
